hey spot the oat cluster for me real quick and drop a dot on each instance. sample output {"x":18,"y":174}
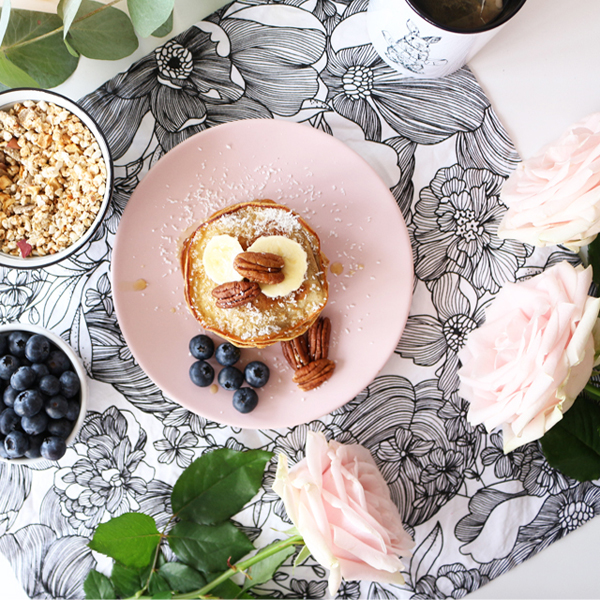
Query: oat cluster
{"x":52,"y":179}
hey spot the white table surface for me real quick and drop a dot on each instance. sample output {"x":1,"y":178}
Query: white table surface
{"x":541,"y":72}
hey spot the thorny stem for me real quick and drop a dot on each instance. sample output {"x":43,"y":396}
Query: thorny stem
{"x":59,"y":29}
{"x":241,"y":566}
{"x":592,"y":390}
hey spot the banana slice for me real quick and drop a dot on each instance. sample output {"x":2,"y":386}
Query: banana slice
{"x":218,"y":258}
{"x":295,"y":266}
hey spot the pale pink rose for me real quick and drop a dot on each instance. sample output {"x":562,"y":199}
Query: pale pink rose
{"x":340,"y":504}
{"x":554,"y":197}
{"x":524,"y":367}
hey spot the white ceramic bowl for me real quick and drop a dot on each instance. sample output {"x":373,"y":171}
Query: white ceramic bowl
{"x":10,"y":98}
{"x":77,"y":367}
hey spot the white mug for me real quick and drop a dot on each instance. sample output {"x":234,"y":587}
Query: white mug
{"x":412,"y":43}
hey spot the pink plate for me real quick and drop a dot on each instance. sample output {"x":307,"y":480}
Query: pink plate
{"x":341,"y":197}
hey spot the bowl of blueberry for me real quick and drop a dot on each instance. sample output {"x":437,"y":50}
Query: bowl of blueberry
{"x":44,"y":391}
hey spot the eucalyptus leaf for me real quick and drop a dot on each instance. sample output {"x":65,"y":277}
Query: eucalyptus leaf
{"x":4,"y":18}
{"x":218,"y":484}
{"x":149,"y":16}
{"x":70,"y":48}
{"x":126,"y":580}
{"x":106,"y":35}
{"x":573,"y":445}
{"x":208,"y":548}
{"x":165,"y":28}
{"x":11,"y":76}
{"x":47,"y":60}
{"x":131,"y":539}
{"x":182,"y":578}
{"x":67,"y":10}
{"x":264,"y":570}
{"x":98,"y":586}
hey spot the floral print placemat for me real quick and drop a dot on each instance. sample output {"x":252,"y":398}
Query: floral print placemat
{"x":474,"y":512}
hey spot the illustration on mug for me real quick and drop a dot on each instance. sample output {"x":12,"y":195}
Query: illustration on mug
{"x":412,"y":51}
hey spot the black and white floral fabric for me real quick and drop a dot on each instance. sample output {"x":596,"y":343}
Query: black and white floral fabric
{"x":439,"y":146}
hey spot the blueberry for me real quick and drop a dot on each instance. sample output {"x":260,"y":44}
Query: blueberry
{"x":17,"y":341}
{"x":16,"y":444}
{"x":60,"y":427}
{"x":256,"y":373}
{"x":41,"y":370}
{"x":201,"y":347}
{"x":49,"y":385}
{"x":231,"y":378}
{"x":58,"y":362}
{"x":73,"y":410}
{"x":8,"y":365}
{"x":23,"y":379}
{"x":245,"y":399}
{"x":3,"y":453}
{"x":201,"y":373}
{"x":9,"y":421}
{"x":37,"y":348}
{"x":35,"y":441}
{"x":36,"y":424}
{"x":69,"y":384}
{"x":3,"y":343}
{"x":53,"y":448}
{"x":227,"y":354}
{"x":56,"y":407}
{"x":9,"y":396}
{"x":28,"y":403}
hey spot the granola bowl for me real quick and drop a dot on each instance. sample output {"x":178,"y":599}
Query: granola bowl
{"x":56,"y":178}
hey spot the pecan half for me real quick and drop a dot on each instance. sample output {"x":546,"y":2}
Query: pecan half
{"x":313,"y":374}
{"x":263,"y":267}
{"x":235,"y":293}
{"x":318,"y":338}
{"x":296,"y":352}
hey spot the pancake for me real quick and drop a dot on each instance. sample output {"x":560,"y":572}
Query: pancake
{"x":264,"y":320}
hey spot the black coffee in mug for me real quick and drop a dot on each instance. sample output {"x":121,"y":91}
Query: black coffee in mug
{"x":461,"y":15}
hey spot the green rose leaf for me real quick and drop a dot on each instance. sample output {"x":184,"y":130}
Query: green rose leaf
{"x":229,"y":589}
{"x":128,"y":581}
{"x":165,"y":28}
{"x":46,"y":61}
{"x":130,"y":539}
{"x":208,"y":547}
{"x":573,"y":445}
{"x":106,"y":35}
{"x":182,"y":578}
{"x":149,"y":16}
{"x":264,"y":570}
{"x":98,"y":586}
{"x":217,"y":485}
{"x":67,"y":10}
{"x":158,"y":585}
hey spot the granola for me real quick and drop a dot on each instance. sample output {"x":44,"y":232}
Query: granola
{"x":52,"y":178}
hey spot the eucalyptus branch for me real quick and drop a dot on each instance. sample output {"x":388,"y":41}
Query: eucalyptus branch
{"x":61,"y":28}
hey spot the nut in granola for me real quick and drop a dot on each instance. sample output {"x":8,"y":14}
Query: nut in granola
{"x":263,"y":267}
